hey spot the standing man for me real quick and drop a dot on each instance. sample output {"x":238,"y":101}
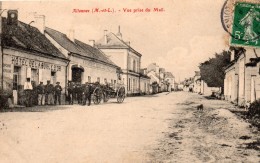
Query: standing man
{"x":49,"y":92}
{"x":41,"y":94}
{"x":70,"y":92}
{"x":58,"y":90}
{"x":28,"y":92}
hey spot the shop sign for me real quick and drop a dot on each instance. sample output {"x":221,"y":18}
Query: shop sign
{"x":19,"y":61}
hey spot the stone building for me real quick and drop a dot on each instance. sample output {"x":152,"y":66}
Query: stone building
{"x":122,"y":54}
{"x":242,"y":80}
{"x":27,"y":53}
{"x":87,"y":63}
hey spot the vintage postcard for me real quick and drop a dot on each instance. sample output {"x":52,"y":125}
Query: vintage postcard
{"x":129,"y":81}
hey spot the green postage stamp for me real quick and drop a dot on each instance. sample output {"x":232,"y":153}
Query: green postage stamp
{"x":246,"y":25}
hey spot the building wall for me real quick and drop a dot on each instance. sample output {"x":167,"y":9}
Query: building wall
{"x":151,"y":74}
{"x":251,"y":77}
{"x":231,"y":86}
{"x":28,"y":65}
{"x":257,"y":84}
{"x":241,"y":81}
{"x":125,"y":59}
{"x":133,"y":84}
{"x":145,"y":85}
{"x":171,"y":82}
{"x":93,"y":71}
{"x":205,"y":90}
{"x":134,"y":62}
{"x":118,"y":56}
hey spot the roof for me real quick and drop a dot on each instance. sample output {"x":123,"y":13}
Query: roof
{"x":25,"y":37}
{"x":144,"y":76}
{"x":168,"y":75}
{"x":114,"y":42}
{"x":78,"y":47}
{"x":238,"y":51}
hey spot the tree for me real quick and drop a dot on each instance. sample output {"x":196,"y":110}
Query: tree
{"x":212,"y":71}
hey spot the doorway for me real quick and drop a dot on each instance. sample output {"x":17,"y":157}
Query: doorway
{"x":77,"y":73}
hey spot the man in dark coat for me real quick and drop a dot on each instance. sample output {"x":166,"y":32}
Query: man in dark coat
{"x":71,"y":92}
{"x":50,"y":92}
{"x":41,"y":94}
{"x":57,"y":90}
{"x":87,"y":92}
{"x":78,"y":92}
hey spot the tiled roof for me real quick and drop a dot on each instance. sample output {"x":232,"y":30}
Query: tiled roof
{"x":25,"y":37}
{"x":97,"y":54}
{"x":78,"y":47}
{"x":66,"y":43}
{"x":113,"y":42}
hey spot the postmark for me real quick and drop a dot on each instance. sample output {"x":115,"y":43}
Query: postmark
{"x":241,"y":19}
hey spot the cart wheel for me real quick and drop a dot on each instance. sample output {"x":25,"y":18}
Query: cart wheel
{"x":97,"y":96}
{"x":121,"y":94}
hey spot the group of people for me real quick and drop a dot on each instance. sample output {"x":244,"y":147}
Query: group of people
{"x":52,"y":93}
{"x":44,"y":94}
{"x":80,"y":92}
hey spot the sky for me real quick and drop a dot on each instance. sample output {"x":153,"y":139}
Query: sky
{"x":185,"y":34}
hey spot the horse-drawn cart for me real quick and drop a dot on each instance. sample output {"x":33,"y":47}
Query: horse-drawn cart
{"x":106,"y":92}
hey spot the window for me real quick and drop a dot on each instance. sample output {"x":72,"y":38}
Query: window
{"x":129,"y":84}
{"x":134,"y":84}
{"x":134,"y":65}
{"x":105,"y":80}
{"x":89,"y":79}
{"x":35,"y":76}
{"x":53,"y":77}
{"x":16,"y":77}
{"x":111,"y":81}
{"x":98,"y":79}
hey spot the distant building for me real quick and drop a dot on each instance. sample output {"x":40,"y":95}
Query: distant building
{"x":201,"y":87}
{"x":165,"y":80}
{"x":144,"y":82}
{"x":170,"y":80}
{"x":122,"y":54}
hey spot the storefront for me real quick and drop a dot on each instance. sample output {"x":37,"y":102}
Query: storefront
{"x":21,"y":65}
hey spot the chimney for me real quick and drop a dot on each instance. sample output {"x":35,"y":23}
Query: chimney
{"x":105,"y":36}
{"x":119,"y":34}
{"x":39,"y":22}
{"x":128,"y":43}
{"x":70,"y":35}
{"x":92,"y":43}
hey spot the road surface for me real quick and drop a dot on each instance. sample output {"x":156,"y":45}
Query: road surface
{"x":162,"y":128}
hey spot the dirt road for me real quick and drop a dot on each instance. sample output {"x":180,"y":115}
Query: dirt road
{"x":160,"y":128}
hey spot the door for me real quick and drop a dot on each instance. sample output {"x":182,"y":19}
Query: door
{"x":76,"y":75}
{"x":16,"y":83}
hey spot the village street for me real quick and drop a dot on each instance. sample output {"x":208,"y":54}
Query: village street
{"x":162,"y":128}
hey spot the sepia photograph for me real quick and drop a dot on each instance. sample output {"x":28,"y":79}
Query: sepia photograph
{"x":130,"y":81}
